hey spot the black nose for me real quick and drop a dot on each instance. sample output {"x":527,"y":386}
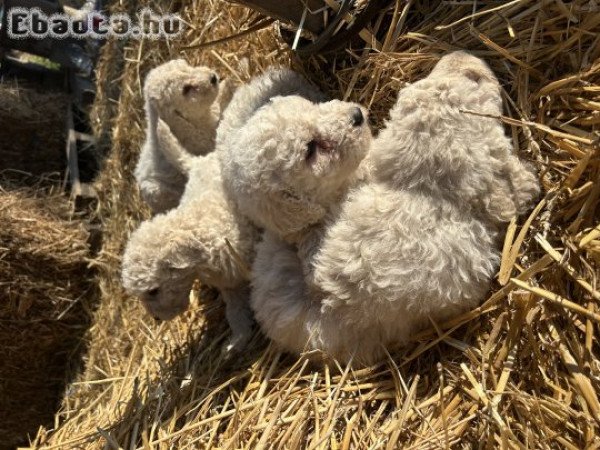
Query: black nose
{"x":214,"y":79}
{"x":357,"y":117}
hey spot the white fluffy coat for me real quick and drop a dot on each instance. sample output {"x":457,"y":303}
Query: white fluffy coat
{"x":294,"y":160}
{"x":182,"y":113}
{"x":418,"y":243}
{"x":206,"y":236}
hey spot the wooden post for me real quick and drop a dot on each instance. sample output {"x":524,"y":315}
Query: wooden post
{"x":79,"y":190}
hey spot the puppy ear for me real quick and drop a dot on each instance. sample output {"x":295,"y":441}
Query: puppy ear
{"x":174,"y":264}
{"x":512,"y":192}
{"x":174,"y":254}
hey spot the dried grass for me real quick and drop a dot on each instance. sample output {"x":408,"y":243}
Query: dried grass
{"x":520,"y":371}
{"x":31,"y":123}
{"x":45,"y":287}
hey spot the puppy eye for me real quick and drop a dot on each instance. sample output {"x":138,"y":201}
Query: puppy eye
{"x":153,"y":292}
{"x":311,"y":150}
{"x":187,"y":89}
{"x":214,"y":79}
{"x":473,"y":75}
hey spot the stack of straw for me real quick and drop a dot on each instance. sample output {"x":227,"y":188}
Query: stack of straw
{"x":520,"y":371}
{"x":32,"y":129}
{"x":45,"y":290}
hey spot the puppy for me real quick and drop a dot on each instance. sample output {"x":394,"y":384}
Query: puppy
{"x":417,"y":243}
{"x":203,"y":238}
{"x":206,"y":236}
{"x":182,"y":114}
{"x":293,"y":160}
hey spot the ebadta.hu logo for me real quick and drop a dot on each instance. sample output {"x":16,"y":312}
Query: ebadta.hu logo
{"x":23,"y":23}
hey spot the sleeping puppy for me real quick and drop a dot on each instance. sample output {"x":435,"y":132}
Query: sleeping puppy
{"x":417,"y":243}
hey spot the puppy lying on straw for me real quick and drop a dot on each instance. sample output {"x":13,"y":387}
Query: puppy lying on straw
{"x":419,"y":242}
{"x":206,"y":236}
{"x":183,"y":107}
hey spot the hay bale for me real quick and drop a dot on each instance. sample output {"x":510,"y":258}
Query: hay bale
{"x":32,"y":130}
{"x":44,"y":291}
{"x":522,"y":370}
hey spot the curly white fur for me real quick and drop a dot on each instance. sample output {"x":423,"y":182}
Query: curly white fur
{"x":183,"y":106}
{"x":206,"y":236}
{"x":419,"y":242}
{"x":292,"y":160}
{"x":202,"y":238}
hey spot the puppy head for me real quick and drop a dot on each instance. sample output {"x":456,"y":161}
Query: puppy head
{"x":439,"y":123}
{"x":177,"y":86}
{"x":294,"y":158}
{"x":469,"y":79}
{"x":443,"y":136}
{"x":155,"y":271}
{"x":462,"y":64}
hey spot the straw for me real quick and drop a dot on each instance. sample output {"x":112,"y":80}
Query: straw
{"x":521,"y":371}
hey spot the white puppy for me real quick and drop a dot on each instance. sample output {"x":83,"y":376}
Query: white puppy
{"x":417,"y":243}
{"x":206,"y":236}
{"x":202,"y":238}
{"x":182,"y":114}
{"x":293,"y":161}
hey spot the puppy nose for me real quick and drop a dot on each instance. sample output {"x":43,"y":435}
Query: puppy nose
{"x":214,"y":79}
{"x":357,"y":117}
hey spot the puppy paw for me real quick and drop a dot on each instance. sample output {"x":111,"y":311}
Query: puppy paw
{"x":239,"y":318}
{"x":235,"y":345}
